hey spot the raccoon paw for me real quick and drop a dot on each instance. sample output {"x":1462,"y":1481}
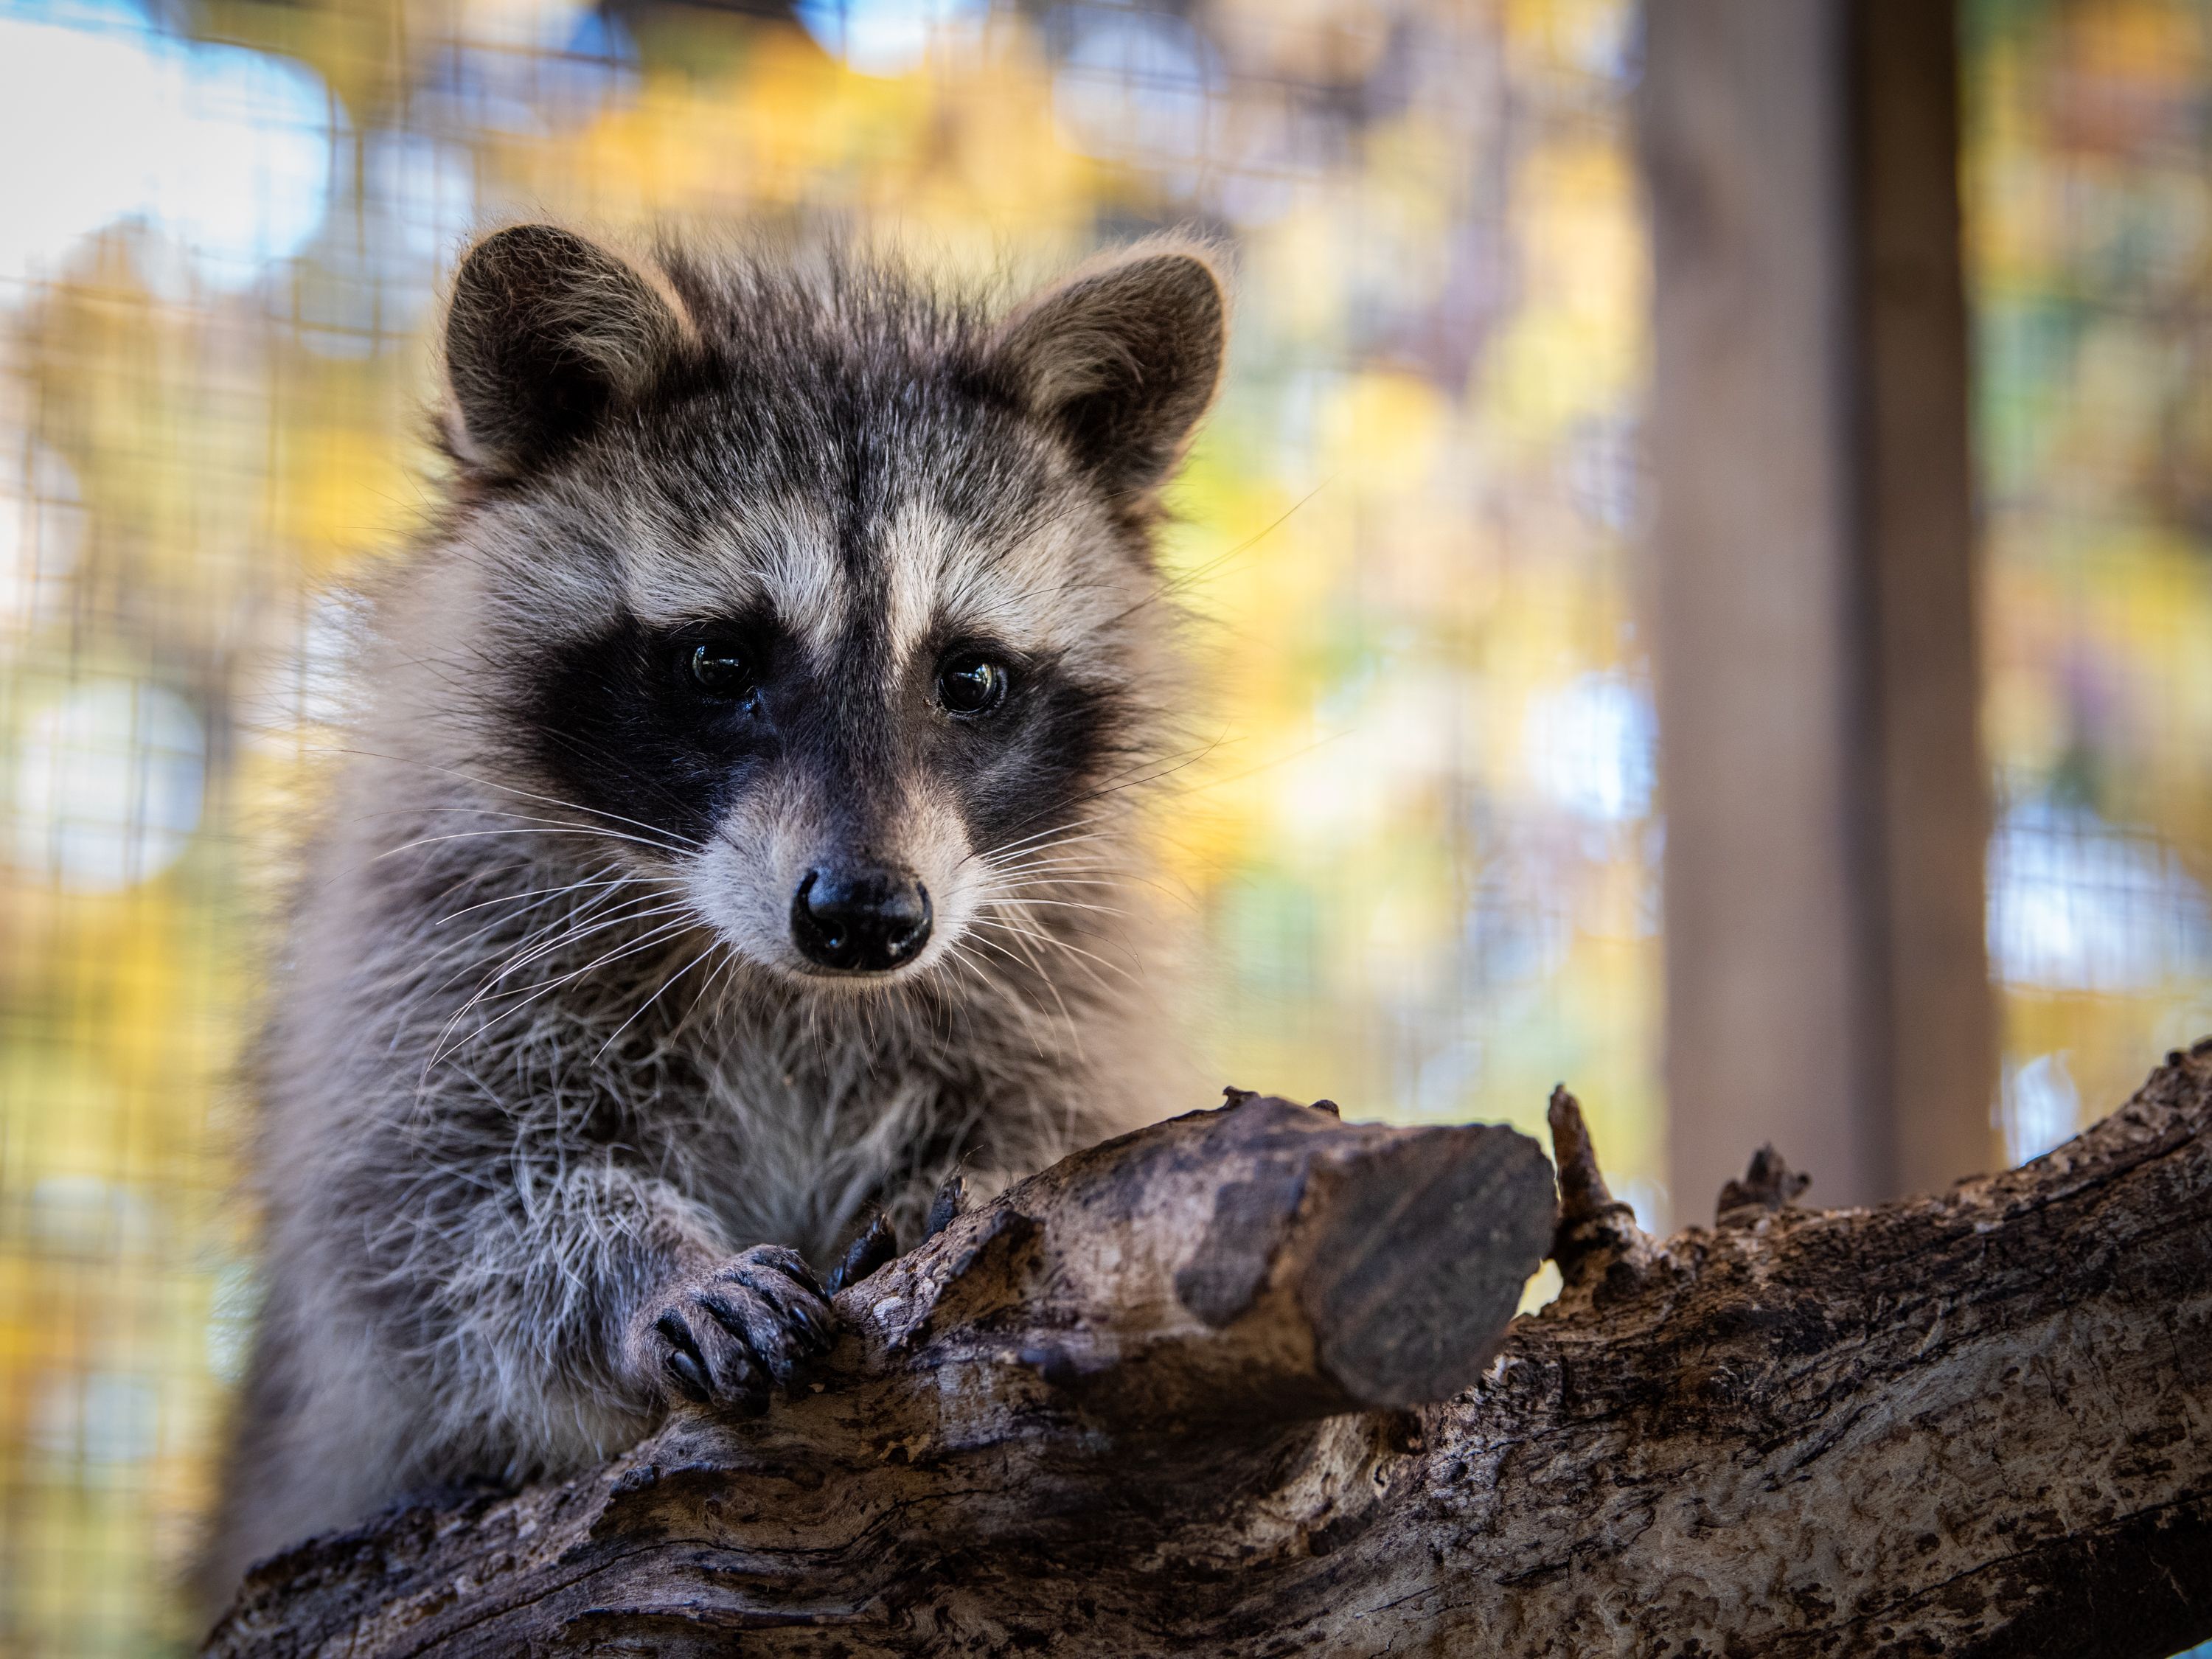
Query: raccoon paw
{"x":732,"y":1333}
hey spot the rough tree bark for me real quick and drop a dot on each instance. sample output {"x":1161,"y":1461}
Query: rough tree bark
{"x":1234,"y":1385}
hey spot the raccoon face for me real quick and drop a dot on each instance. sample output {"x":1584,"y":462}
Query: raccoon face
{"x":833,"y":601}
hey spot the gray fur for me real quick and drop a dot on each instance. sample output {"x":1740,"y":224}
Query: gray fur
{"x":543,"y":1058}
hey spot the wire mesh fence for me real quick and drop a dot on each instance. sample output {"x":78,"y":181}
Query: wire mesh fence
{"x":2088,"y":209}
{"x":1422,"y":844}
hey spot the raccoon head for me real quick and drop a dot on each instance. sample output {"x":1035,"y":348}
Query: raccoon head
{"x":821,"y":598}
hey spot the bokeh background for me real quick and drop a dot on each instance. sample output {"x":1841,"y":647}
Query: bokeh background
{"x":1424,"y":845}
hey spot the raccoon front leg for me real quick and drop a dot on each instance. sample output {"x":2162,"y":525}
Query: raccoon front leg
{"x":579,"y":1305}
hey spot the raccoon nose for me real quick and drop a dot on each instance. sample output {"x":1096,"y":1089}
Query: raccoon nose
{"x":864,"y":921}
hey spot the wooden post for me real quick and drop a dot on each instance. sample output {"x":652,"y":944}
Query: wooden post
{"x":1936,"y":1016}
{"x":1825,"y":798}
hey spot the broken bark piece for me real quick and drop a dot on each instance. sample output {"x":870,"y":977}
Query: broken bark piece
{"x":1598,"y":1240}
{"x":1770,"y":1184}
{"x":1262,"y":1260}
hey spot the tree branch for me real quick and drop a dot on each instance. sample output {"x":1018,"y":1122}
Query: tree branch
{"x":1206,"y":1390}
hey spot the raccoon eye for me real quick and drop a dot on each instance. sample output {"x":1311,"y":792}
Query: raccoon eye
{"x":971,"y":684}
{"x":720,"y":669}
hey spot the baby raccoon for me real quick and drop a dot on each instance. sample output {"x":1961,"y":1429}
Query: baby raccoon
{"x":740,"y":839}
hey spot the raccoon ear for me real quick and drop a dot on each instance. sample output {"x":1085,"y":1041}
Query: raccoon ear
{"x":1123,"y":360}
{"x":546,"y":332}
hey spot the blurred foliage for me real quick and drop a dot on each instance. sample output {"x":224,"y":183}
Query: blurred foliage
{"x":1418,"y":832}
{"x":2088,"y":202}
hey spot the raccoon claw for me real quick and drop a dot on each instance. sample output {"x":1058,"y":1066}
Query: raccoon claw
{"x":732,"y":1333}
{"x":877,"y":1245}
{"x":684,"y":1365}
{"x":944,"y":1209}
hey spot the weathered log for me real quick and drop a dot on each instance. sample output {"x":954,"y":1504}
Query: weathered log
{"x":1164,"y":1399}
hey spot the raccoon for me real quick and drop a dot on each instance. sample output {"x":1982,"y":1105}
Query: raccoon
{"x":741,"y":836}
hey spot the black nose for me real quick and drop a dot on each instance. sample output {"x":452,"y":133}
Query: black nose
{"x":860,"y":922}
